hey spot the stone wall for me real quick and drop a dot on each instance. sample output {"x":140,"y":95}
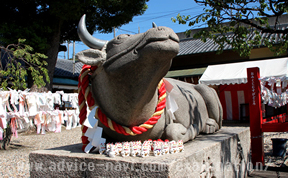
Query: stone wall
{"x":223,"y":154}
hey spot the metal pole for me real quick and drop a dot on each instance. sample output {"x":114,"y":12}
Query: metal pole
{"x":114,"y":32}
{"x":68,"y":50}
{"x":73,"y":57}
{"x":138,"y":29}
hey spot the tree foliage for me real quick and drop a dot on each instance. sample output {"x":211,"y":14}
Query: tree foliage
{"x":16,"y":60}
{"x":48,"y":23}
{"x":233,"y":21}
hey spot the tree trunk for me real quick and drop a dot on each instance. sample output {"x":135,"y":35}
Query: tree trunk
{"x":52,"y":54}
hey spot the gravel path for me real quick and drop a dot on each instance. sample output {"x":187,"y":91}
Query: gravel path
{"x":14,"y":162}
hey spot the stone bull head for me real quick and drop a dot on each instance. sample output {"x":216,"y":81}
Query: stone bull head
{"x":125,"y":86}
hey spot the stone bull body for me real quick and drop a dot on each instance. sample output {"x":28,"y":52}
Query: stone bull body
{"x":125,"y":86}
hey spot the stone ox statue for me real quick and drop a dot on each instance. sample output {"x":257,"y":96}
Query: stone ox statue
{"x":125,"y":83}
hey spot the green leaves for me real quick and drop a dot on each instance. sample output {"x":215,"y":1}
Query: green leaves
{"x":20,"y":61}
{"x":181,"y":19}
{"x":239,"y":19}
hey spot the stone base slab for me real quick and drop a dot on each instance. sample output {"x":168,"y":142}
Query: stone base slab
{"x":223,"y":154}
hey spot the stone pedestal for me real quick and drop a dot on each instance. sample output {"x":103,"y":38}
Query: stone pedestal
{"x":224,"y":154}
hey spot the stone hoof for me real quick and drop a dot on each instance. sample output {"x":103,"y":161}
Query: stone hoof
{"x":175,"y":131}
{"x":210,"y":127}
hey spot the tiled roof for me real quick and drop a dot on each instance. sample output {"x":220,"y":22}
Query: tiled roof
{"x":194,"y":46}
{"x":64,"y":68}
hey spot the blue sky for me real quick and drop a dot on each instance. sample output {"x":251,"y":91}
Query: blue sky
{"x":159,"y":11}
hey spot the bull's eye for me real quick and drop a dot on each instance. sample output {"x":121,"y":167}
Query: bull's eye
{"x":119,"y":37}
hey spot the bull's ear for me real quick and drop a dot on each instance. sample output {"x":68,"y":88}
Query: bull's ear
{"x":92,"y":57}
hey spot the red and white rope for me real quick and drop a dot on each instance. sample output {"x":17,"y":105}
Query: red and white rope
{"x":85,"y":95}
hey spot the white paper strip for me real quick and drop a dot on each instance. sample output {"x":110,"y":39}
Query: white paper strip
{"x":88,"y":148}
{"x":97,"y":137}
{"x":91,"y":121}
{"x":171,"y":105}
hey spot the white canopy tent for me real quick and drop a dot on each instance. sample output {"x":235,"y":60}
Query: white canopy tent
{"x":236,"y":73}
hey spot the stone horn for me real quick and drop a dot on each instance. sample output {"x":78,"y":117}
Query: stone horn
{"x":87,"y":38}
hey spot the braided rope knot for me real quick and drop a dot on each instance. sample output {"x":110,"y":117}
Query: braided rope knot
{"x":85,"y":95}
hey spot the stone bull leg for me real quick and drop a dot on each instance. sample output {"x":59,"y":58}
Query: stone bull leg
{"x":199,"y":111}
{"x":176,"y":131}
{"x":214,"y":108}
